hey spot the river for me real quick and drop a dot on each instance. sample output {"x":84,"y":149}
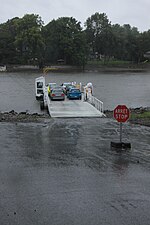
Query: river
{"x":17,"y":90}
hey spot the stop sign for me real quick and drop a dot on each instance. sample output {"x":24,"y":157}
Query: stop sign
{"x":121,"y":113}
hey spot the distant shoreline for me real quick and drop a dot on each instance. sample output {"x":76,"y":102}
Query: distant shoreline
{"x":87,"y":68}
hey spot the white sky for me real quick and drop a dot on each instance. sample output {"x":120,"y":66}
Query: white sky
{"x":133,"y":12}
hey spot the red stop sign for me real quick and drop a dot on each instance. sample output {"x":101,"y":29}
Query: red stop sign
{"x":121,"y":113}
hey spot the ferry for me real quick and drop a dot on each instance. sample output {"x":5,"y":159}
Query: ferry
{"x":85,"y":106}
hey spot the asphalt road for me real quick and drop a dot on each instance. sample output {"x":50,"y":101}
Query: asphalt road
{"x":63,"y":172}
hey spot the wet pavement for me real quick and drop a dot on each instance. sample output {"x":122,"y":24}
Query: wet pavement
{"x":64,"y":172}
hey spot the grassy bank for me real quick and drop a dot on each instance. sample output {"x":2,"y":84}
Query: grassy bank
{"x":93,"y":65}
{"x":139,"y":116}
{"x":117,"y":65}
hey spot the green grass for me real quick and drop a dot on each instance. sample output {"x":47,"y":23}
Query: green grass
{"x":109,"y":62}
{"x":143,"y":115}
{"x":117,"y":63}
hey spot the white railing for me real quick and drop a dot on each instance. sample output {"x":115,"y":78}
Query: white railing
{"x":92,"y":100}
{"x":96,"y":103}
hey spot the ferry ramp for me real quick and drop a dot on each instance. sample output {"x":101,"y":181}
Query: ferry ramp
{"x":88,"y":106}
{"x":73,"y":108}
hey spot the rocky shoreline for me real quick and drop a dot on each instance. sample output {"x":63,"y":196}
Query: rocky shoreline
{"x":25,"y":117}
{"x":13,"y":116}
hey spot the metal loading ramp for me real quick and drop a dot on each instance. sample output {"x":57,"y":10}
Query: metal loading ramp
{"x":72,"y":108}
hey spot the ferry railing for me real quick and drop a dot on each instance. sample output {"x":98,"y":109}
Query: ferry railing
{"x":96,"y":103}
{"x":88,"y":96}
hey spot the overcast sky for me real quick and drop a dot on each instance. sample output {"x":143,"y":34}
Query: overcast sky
{"x":133,"y":12}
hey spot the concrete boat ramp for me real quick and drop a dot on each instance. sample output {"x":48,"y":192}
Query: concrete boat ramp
{"x":72,"y":108}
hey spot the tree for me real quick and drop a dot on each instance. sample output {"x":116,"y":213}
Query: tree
{"x":126,"y":38}
{"x":29,"y":41}
{"x":143,"y":45}
{"x":65,"y":40}
{"x":8,"y":32}
{"x":26,"y":40}
{"x":99,"y":34}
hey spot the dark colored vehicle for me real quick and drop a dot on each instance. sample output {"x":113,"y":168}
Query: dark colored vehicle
{"x":65,"y":84}
{"x":68,"y":87}
{"x":74,"y":93}
{"x":57,"y":94}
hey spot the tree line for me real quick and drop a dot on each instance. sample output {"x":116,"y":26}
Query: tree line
{"x":27,"y":40}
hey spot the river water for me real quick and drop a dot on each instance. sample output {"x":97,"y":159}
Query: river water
{"x":17,"y":90}
{"x":63,"y":171}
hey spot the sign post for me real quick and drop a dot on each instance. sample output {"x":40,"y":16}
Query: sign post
{"x":121,"y":114}
{"x":121,"y":132}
